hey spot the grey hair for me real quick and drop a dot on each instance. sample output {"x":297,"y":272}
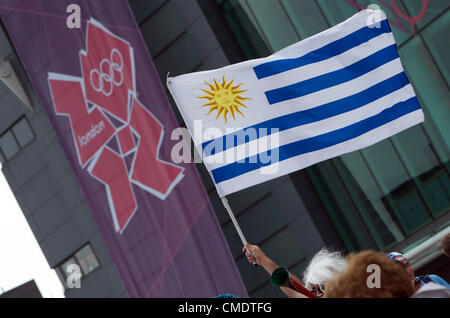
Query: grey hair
{"x":324,"y":266}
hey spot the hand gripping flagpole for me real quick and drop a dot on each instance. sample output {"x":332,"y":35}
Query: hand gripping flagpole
{"x":236,"y":225}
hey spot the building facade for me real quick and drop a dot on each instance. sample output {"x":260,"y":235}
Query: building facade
{"x":39,"y":175}
{"x":390,"y":196}
{"x":26,"y":290}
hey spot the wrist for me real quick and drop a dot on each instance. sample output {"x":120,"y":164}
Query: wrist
{"x":269,"y":265}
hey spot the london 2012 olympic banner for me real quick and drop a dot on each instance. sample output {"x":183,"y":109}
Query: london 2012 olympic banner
{"x":108,"y":108}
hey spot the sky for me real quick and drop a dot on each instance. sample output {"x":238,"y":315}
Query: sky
{"x":21,"y":258}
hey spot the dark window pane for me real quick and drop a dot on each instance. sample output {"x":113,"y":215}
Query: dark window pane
{"x":436,"y":186}
{"x":65,"y":266}
{"x":415,"y":150}
{"x":423,"y":165}
{"x":143,"y":8}
{"x":401,"y":196}
{"x":440,"y":50}
{"x":434,"y":8}
{"x":245,"y":29}
{"x":306,"y":16}
{"x":337,"y":11}
{"x":340,"y":206}
{"x":274,"y":22}
{"x":23,"y":133}
{"x":8,"y":145}
{"x":87,"y":259}
{"x":367,"y":195}
{"x":432,"y":94}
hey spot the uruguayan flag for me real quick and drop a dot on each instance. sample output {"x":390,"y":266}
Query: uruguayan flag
{"x":336,"y":92}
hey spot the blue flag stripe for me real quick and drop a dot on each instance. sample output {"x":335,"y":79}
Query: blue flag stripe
{"x":308,"y":116}
{"x":318,"y":142}
{"x":331,"y":79}
{"x":328,"y":51}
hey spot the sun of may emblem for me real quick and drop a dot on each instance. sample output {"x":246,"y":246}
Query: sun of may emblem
{"x":224,"y":98}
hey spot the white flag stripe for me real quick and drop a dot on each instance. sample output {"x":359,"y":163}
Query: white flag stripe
{"x":332,"y":64}
{"x":258,"y":110}
{"x":263,"y":144}
{"x":325,"y":96}
{"x":340,"y":91}
{"x":300,"y":162}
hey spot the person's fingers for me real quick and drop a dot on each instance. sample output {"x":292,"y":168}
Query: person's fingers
{"x":249,"y":251}
{"x":250,"y":257}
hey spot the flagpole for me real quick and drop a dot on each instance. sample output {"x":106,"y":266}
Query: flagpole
{"x":236,"y":225}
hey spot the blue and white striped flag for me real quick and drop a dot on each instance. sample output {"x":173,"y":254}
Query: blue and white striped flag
{"x":336,"y":92}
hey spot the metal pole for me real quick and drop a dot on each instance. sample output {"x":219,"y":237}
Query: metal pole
{"x":236,"y":224}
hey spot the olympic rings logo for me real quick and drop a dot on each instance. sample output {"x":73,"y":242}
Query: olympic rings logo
{"x":108,"y":74}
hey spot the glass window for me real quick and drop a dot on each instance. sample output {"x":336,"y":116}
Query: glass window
{"x":416,"y":152}
{"x":249,"y":14}
{"x":87,"y":259}
{"x":440,"y":50}
{"x":433,"y":9}
{"x":306,"y":17}
{"x":22,"y":132}
{"x":436,"y":186}
{"x":401,"y":196}
{"x":432,"y":94}
{"x":65,"y":265}
{"x":143,"y":9}
{"x":367,"y":195}
{"x":84,"y":258}
{"x":340,"y":205}
{"x":428,"y":173}
{"x":245,"y":29}
{"x":8,"y":145}
{"x":337,"y":11}
{"x":274,"y":22}
{"x":390,"y":176}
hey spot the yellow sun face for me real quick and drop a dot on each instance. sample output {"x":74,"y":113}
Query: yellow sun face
{"x":224,"y":98}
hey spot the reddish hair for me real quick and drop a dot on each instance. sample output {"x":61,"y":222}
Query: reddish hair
{"x":446,"y":244}
{"x":352,"y":282}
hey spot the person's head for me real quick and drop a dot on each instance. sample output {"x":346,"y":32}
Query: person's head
{"x":402,"y":260}
{"x":324,"y":266}
{"x":446,"y":244}
{"x":358,"y":280}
